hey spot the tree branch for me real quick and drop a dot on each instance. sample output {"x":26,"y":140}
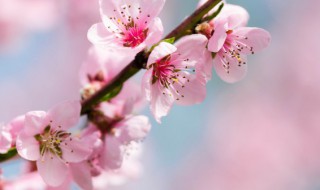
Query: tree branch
{"x":141,"y":58}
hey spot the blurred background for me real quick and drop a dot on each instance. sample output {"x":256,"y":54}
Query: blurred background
{"x":262,"y":133}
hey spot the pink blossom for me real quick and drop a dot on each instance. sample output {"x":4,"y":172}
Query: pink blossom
{"x":83,"y":172}
{"x":100,"y":67}
{"x":130,"y":169}
{"x":175,"y":74}
{"x":131,"y":24}
{"x":45,"y":139}
{"x":232,"y":42}
{"x":5,"y":139}
{"x":118,"y":135}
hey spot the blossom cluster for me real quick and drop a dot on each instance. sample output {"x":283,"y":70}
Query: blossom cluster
{"x":177,"y":71}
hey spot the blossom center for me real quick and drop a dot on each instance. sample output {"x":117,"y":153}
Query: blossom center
{"x":163,"y":70}
{"x":134,"y":35}
{"x":50,"y":141}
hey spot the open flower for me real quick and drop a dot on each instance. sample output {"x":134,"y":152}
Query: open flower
{"x":45,"y":139}
{"x":232,"y":42}
{"x":131,"y":24}
{"x":176,"y":74}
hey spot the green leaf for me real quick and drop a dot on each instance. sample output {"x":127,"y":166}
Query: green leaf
{"x":112,"y":94}
{"x":168,"y":40}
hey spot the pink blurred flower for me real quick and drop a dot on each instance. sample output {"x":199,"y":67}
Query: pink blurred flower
{"x":100,"y":67}
{"x":130,"y":169}
{"x":5,"y":139}
{"x":175,"y":74}
{"x":132,"y":24}
{"x":20,"y":17}
{"x":83,"y":172}
{"x":15,"y":126}
{"x":232,"y":42}
{"x":32,"y":181}
{"x":45,"y":139}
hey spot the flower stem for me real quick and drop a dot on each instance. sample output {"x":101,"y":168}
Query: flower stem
{"x":10,"y":154}
{"x":141,"y":58}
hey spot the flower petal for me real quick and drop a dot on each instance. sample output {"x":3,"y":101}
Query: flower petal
{"x":237,"y":16}
{"x":134,"y":128}
{"x":193,"y":47}
{"x":236,"y":73}
{"x":112,"y":155}
{"x":65,"y":115}
{"x":257,"y":38}
{"x":5,"y":140}
{"x":35,"y":122}
{"x":150,"y":8}
{"x":81,"y":175}
{"x":162,"y":50}
{"x":98,"y":34}
{"x":52,"y":170}
{"x":27,"y":146}
{"x":192,"y":92}
{"x":16,"y":126}
{"x":76,"y":150}
{"x":161,"y":101}
{"x":219,"y":36}
{"x":155,"y":32}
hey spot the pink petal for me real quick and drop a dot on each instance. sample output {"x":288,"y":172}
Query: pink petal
{"x":155,"y":32}
{"x":257,"y":38}
{"x":162,"y":50}
{"x":81,"y":175}
{"x":193,"y":47}
{"x":65,"y":115}
{"x":77,"y":150}
{"x":134,"y":128}
{"x":160,"y":104}
{"x":98,"y":34}
{"x":16,"y":126}
{"x":237,"y":16}
{"x":112,"y":9}
{"x":193,"y":92}
{"x":112,"y":155}
{"x":27,"y":146}
{"x":35,"y":122}
{"x":236,"y":73}
{"x":93,"y":64}
{"x":146,"y":84}
{"x":52,"y":170}
{"x":150,"y":7}
{"x":5,"y":140}
{"x":219,"y":36}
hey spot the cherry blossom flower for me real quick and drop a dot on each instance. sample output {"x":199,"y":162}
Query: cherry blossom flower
{"x":232,"y":42}
{"x":100,"y":67}
{"x":175,"y":74}
{"x":45,"y":139}
{"x":115,"y":130}
{"x":5,"y":139}
{"x":131,"y":24}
